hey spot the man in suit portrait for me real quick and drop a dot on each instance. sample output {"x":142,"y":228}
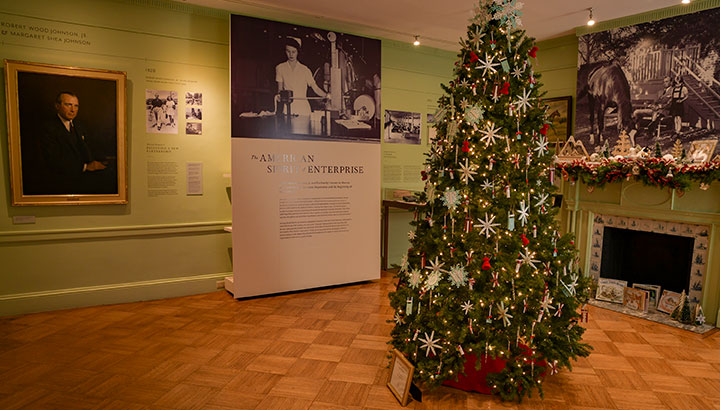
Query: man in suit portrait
{"x":66,"y":160}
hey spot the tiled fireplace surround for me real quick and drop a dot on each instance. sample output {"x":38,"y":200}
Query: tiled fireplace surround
{"x":699,"y":233}
{"x":631,"y":205}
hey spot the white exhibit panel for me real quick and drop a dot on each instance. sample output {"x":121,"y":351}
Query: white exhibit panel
{"x":305,"y":214}
{"x":305,"y":128}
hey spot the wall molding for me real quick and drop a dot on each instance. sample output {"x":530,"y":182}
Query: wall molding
{"x":196,"y":228}
{"x":22,"y":303}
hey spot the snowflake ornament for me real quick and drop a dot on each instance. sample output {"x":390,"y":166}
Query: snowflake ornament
{"x":451,"y":199}
{"x":523,"y":102}
{"x":458,"y":275}
{"x":527,"y":259}
{"x":415,"y":278}
{"x":476,"y":37}
{"x":523,"y":213}
{"x":546,"y":304}
{"x":541,"y":200}
{"x":436,"y":266}
{"x":487,"y":65}
{"x":542,"y":146}
{"x":467,"y":171}
{"x":430,"y":343}
{"x":481,"y":13}
{"x":464,"y":104}
{"x":503,"y":314}
{"x":487,"y":185}
{"x":467,"y":307}
{"x":518,"y":72}
{"x":508,"y":12}
{"x":398,"y":319}
{"x":487,"y":225}
{"x":411,"y":235}
{"x":490,"y":134}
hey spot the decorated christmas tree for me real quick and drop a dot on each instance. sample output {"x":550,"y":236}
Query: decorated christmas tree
{"x":488,"y":273}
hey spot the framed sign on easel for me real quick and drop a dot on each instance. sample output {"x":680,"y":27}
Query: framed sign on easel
{"x":401,"y":374}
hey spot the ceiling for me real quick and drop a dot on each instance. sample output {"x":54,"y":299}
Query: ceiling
{"x":439,"y":23}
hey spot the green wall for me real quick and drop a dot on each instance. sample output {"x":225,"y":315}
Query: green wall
{"x":158,"y":245}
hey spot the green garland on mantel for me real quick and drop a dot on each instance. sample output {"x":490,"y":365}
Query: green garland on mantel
{"x":657,"y":172}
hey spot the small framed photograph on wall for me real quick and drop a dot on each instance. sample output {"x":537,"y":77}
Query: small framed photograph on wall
{"x":401,"y":374}
{"x":66,"y":134}
{"x":559,"y":114}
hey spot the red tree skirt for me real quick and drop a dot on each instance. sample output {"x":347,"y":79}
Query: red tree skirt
{"x":476,"y":380}
{"x":473,"y":379}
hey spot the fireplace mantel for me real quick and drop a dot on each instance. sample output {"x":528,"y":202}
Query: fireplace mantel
{"x":635,"y":200}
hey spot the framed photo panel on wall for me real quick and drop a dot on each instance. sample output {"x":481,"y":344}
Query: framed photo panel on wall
{"x":66,"y":134}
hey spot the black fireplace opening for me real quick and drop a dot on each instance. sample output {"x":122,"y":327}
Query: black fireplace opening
{"x":647,"y":257}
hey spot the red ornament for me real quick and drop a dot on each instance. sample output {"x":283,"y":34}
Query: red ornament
{"x":466,"y":146}
{"x":525,"y":240}
{"x":473,"y":57}
{"x":506,"y":89}
{"x":486,"y":264}
{"x":533,"y":52}
{"x":544,"y":129}
{"x":424,"y":175}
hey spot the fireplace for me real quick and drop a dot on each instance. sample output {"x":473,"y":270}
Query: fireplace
{"x":647,"y":257}
{"x":647,"y":251}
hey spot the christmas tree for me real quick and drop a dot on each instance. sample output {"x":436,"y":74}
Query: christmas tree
{"x":677,"y":150}
{"x":623,"y":145}
{"x":488,"y":272}
{"x":682,"y":312}
{"x":658,"y":150}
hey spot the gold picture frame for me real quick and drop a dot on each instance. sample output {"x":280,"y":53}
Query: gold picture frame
{"x":66,"y":134}
{"x":702,"y":151}
{"x":401,"y":374}
{"x":559,"y":114}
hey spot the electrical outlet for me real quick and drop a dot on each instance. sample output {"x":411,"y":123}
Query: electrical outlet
{"x":220,"y":284}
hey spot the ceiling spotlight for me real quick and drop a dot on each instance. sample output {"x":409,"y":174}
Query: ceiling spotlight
{"x":417,"y":41}
{"x":591,"y":20}
{"x":685,"y":2}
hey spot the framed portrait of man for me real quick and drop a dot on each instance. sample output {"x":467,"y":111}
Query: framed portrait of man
{"x":66,"y":134}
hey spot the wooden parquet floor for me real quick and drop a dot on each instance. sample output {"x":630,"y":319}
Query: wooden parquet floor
{"x":319,"y":350}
